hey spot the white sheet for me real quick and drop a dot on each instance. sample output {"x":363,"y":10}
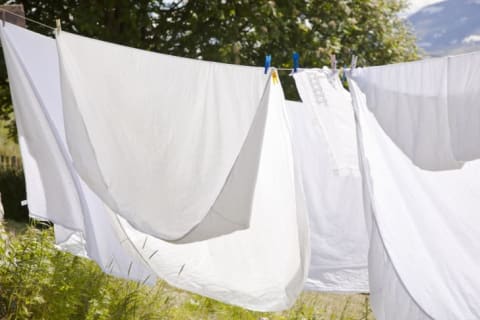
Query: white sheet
{"x":436,"y":111}
{"x":464,"y":105}
{"x":331,"y":104}
{"x":325,"y":149}
{"x":163,"y":140}
{"x":410,"y":103}
{"x":261,"y":268}
{"x":427,"y":220}
{"x":54,"y":190}
{"x":43,"y":159}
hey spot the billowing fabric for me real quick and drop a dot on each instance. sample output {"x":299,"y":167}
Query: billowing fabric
{"x":262,"y":268}
{"x":44,"y":161}
{"x":70,"y":241}
{"x":332,"y":184}
{"x":430,"y":108}
{"x":410,"y":102}
{"x":424,"y":246}
{"x":165,"y":142}
{"x":83,"y":224}
{"x":464,"y":105}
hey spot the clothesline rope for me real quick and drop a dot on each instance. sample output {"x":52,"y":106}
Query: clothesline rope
{"x":26,"y":18}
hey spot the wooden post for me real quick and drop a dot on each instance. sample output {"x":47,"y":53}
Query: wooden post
{"x":17,"y":19}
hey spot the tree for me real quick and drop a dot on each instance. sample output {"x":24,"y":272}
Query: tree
{"x":239,"y":31}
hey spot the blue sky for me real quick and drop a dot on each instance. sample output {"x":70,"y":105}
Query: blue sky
{"x":445,"y":26}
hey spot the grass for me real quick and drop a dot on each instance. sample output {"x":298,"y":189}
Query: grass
{"x":39,"y":282}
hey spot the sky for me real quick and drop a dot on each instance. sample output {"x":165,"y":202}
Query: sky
{"x":445,"y":27}
{"x":416,"y":5}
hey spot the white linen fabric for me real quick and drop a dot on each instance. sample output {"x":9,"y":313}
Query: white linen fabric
{"x":464,"y":105}
{"x":430,"y":108}
{"x":424,"y":246}
{"x":262,"y":268}
{"x":410,"y":102}
{"x":327,"y":99}
{"x":43,"y":159}
{"x":332,"y":184}
{"x":54,"y":190}
{"x":165,"y":142}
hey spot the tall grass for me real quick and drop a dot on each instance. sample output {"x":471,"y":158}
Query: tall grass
{"x":39,"y":282}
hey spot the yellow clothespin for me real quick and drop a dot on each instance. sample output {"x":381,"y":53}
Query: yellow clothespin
{"x":275,"y":79}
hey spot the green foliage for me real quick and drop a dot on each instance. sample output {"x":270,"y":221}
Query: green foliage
{"x":39,"y":282}
{"x":240,"y":31}
{"x":12,"y":189}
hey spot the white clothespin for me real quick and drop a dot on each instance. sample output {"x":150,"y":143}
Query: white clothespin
{"x":59,"y":26}
{"x":333,"y":63}
{"x":354,"y":63}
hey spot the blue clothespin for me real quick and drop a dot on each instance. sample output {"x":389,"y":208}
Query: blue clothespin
{"x":268,"y":61}
{"x":344,"y":74}
{"x":296,"y":58}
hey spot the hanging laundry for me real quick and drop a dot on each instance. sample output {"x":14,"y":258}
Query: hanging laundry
{"x":264,"y":267}
{"x":325,"y":96}
{"x":43,"y":160}
{"x":70,"y":241}
{"x":410,"y":103}
{"x":325,"y":149}
{"x":261,"y":268}
{"x":165,"y":142}
{"x":54,"y":190}
{"x":423,"y":259}
{"x":438,"y":124}
{"x":464,"y":105}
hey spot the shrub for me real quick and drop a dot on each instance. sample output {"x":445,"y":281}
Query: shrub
{"x":37,"y":281}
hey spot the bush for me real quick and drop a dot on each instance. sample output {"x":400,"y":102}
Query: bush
{"x":12,"y":189}
{"x":39,"y":282}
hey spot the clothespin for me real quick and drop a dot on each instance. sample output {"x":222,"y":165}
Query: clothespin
{"x":333,"y":62}
{"x":275,"y":79}
{"x":268,"y":61}
{"x":344,"y":73}
{"x":296,"y":64}
{"x":354,"y":63}
{"x":59,"y":25}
